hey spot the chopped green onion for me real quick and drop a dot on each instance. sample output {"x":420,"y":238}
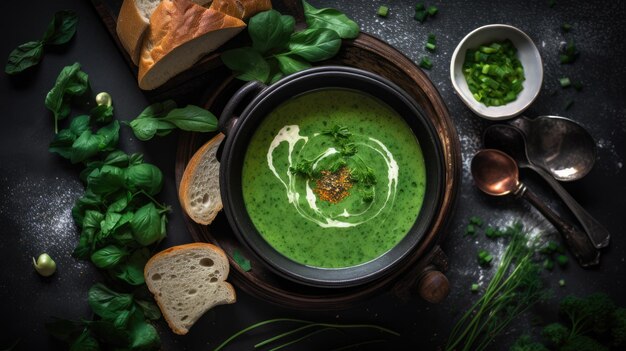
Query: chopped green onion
{"x":383,"y":11}
{"x":421,"y":15}
{"x":419,"y":7}
{"x":493,"y":73}
{"x":474,"y":288}
{"x":484,"y":258}
{"x":477,"y":221}
{"x":561,"y":282}
{"x":470,"y":229}
{"x":430,"y":47}
{"x":432,"y":10}
{"x":568,"y":52}
{"x":426,"y":63}
{"x":566,"y":27}
{"x":431,"y":42}
{"x":565,"y":82}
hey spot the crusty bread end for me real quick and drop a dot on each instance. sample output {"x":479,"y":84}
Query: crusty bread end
{"x":199,"y":190}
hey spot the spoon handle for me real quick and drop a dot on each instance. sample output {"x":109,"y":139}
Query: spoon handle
{"x":595,"y":231}
{"x":578,"y":243}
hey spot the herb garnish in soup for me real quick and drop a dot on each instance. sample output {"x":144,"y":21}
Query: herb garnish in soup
{"x":333,"y":178}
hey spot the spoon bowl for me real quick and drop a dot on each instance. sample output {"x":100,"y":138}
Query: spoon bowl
{"x":559,"y":145}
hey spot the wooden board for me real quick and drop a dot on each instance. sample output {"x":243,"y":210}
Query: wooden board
{"x":369,"y":53}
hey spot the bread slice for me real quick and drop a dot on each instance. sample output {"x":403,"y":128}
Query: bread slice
{"x":188,"y":280}
{"x":242,"y":9}
{"x":199,"y":190}
{"x":132,"y":22}
{"x":181,"y":33}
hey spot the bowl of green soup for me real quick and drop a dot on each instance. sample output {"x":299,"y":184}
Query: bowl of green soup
{"x":331,"y":176}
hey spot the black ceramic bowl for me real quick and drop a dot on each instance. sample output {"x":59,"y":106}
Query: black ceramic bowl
{"x":257,"y":101}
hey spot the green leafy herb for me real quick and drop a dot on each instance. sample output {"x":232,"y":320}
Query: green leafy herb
{"x":163,"y":117}
{"x":60,"y":30}
{"x":241,"y":261}
{"x":514,"y":288}
{"x":278,"y":51}
{"x":330,"y":19}
{"x":108,"y":256}
{"x":71,"y":82}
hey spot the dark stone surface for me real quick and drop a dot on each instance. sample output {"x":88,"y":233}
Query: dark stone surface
{"x":37,"y":189}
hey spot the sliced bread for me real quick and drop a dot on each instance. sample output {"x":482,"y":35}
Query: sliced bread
{"x":132,"y":22}
{"x":243,"y":9}
{"x":188,"y":280}
{"x":199,"y":190}
{"x":181,"y":33}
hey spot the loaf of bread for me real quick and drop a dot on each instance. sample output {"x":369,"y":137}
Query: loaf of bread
{"x":242,"y":9}
{"x":199,"y":190}
{"x":132,"y":22}
{"x":187,"y":281}
{"x":180,"y":33}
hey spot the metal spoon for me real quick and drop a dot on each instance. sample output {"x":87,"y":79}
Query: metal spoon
{"x":496,"y":173}
{"x":559,"y":145}
{"x":512,"y":141}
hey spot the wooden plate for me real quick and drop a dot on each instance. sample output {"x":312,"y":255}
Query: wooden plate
{"x":368,"y":53}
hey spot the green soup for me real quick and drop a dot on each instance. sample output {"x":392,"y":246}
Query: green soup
{"x":333,"y":178}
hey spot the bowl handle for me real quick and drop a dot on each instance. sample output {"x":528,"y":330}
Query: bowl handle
{"x":228,"y":120}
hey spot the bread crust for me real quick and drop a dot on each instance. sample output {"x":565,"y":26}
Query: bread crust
{"x":173,"y":24}
{"x":190,"y":172}
{"x":242,"y":9}
{"x":131,"y":27}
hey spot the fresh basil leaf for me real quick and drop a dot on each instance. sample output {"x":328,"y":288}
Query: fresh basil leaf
{"x":150,"y":309}
{"x":85,"y":342}
{"x":102,"y":113}
{"x":131,"y":271}
{"x":85,"y":146}
{"x":124,"y":235}
{"x":289,"y":65}
{"x":79,"y":124}
{"x":146,"y":128}
{"x":108,"y":333}
{"x":89,"y":201}
{"x":192,"y":118}
{"x":135,"y":159}
{"x":146,"y":225}
{"x":111,"y":220}
{"x":315,"y":45}
{"x":118,"y":205}
{"x":330,"y":19}
{"x":110,"y":135}
{"x":83,"y":250}
{"x":23,"y":57}
{"x":108,"y":256}
{"x":247,"y":63}
{"x":62,"y":143}
{"x":61,"y":29}
{"x":142,"y":334}
{"x":145,"y":177}
{"x":121,"y":321}
{"x":106,"y":180}
{"x":71,"y":81}
{"x":158,"y":109}
{"x":117,"y":158}
{"x":92,"y":219}
{"x":270,"y":30}
{"x":107,"y":303}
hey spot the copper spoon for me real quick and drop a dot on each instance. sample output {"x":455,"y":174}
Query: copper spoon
{"x":512,"y":141}
{"x":496,"y":173}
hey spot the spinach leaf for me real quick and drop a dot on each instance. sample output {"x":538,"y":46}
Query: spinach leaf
{"x":146,"y":225}
{"x":248,"y":63}
{"x":192,"y":118}
{"x":330,"y":19}
{"x":270,"y":30}
{"x":144,"y":176}
{"x":289,"y":65}
{"x":61,"y":29}
{"x":70,"y":82}
{"x":108,"y":256}
{"x":107,"y":303}
{"x":106,"y":180}
{"x":315,"y":44}
{"x":85,"y":342}
{"x":131,"y":271}
{"x":149,"y":308}
{"x":142,"y":334}
{"x":24,"y":56}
